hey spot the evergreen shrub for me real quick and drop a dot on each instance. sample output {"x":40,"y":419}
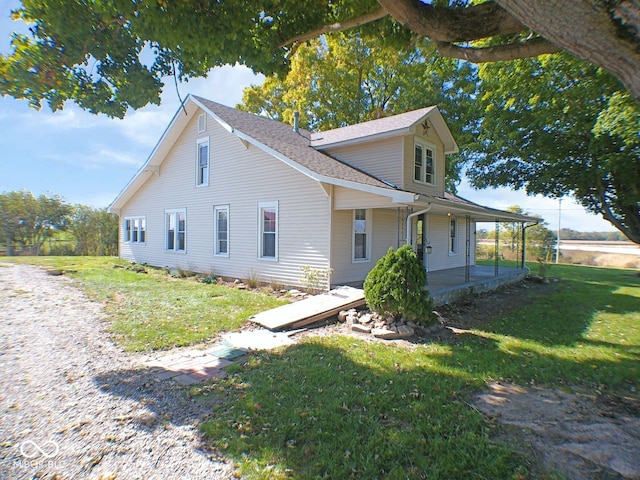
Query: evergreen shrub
{"x":396,"y":286}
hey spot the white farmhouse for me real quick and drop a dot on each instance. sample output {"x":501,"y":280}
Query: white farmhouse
{"x":236,"y":194}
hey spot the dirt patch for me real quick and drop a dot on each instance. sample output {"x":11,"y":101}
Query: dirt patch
{"x":480,"y":309}
{"x":579,"y":435}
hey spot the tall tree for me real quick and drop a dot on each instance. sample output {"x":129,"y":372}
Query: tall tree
{"x":109,"y":56}
{"x":95,"y":231}
{"x":558,"y":126}
{"x":345,"y":80}
{"x":29,"y":221}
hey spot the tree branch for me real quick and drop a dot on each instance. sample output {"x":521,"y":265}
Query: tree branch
{"x":453,"y":24}
{"x":337,"y":27}
{"x":528,"y":48}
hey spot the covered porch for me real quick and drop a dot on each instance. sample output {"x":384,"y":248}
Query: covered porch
{"x":451,"y":284}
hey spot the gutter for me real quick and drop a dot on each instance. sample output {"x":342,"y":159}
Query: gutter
{"x":409,"y":217}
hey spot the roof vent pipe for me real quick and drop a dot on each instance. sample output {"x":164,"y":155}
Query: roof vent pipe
{"x":296,"y":122}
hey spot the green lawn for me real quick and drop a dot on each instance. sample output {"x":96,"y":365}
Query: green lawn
{"x":338,"y":407}
{"x":154,"y":310}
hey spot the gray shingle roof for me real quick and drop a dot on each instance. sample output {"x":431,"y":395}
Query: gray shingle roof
{"x":367,"y":129}
{"x":295,"y":146}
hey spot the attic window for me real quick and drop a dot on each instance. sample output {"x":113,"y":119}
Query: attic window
{"x":423,"y":170}
{"x":202,"y":123}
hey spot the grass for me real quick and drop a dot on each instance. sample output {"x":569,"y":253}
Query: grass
{"x":154,"y":311}
{"x":338,"y":407}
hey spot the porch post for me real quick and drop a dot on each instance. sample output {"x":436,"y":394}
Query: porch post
{"x":467,"y":259}
{"x":496,"y":250}
{"x":524,"y":242}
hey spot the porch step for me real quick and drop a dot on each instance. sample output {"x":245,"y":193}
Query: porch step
{"x":311,"y":310}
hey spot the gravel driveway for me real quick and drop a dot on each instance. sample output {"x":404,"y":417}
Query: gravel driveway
{"x":74,"y":405}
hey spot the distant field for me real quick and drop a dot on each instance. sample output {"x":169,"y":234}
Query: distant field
{"x":595,"y":253}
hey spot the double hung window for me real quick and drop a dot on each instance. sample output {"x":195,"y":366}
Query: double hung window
{"x":176,"y":228}
{"x":361,"y":235}
{"x":221,"y":230}
{"x":423,"y":170}
{"x":202,"y":162}
{"x":268,"y":228}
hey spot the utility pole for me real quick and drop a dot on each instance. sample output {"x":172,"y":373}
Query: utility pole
{"x":558,"y":238}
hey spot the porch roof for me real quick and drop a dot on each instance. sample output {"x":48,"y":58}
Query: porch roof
{"x":452,"y":204}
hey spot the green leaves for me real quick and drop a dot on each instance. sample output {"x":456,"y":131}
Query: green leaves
{"x":345,"y":79}
{"x":556,"y":126}
{"x":396,"y":286}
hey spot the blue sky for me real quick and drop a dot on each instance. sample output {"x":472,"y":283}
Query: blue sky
{"x":89,"y":158}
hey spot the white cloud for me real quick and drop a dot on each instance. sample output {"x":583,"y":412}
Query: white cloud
{"x":144,"y":127}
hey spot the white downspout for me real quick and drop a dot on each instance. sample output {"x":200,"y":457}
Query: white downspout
{"x":409,"y":217}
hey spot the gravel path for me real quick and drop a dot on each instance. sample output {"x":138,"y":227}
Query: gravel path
{"x":74,"y":405}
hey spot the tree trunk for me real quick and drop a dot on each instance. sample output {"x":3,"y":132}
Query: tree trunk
{"x":587,"y":30}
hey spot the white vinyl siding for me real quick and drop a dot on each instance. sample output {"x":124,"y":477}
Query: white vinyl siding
{"x":382,"y":159}
{"x":268,"y":230}
{"x":202,"y":162}
{"x":361,"y":241}
{"x":384,"y":234}
{"x":221,"y":230}
{"x":135,"y":229}
{"x":304,"y":211}
{"x":176,"y":230}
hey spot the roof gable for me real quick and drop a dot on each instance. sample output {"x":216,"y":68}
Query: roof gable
{"x":401,"y":124}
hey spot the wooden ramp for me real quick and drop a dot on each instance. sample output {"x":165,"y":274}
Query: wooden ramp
{"x":310,"y":310}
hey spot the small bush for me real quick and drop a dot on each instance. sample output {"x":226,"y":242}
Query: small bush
{"x":396,"y":286}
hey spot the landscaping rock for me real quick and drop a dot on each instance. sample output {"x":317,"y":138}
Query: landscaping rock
{"x":405,"y":331}
{"x":365,"y":318}
{"x":342,"y":316}
{"x":358,"y":327}
{"x":384,"y":333}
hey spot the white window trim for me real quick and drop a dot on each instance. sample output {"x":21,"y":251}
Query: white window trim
{"x":202,"y":123}
{"x":131,"y":219}
{"x":175,"y":211}
{"x":216,"y":209}
{"x":457,"y":240}
{"x":367,"y":232}
{"x":427,"y":146}
{"x":262,"y":206}
{"x":200,"y":141}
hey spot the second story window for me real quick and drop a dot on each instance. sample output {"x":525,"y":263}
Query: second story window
{"x":202,"y":162}
{"x":423,"y":170}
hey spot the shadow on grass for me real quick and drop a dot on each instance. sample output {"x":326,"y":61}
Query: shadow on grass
{"x":565,"y":316}
{"x":338,"y":407}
